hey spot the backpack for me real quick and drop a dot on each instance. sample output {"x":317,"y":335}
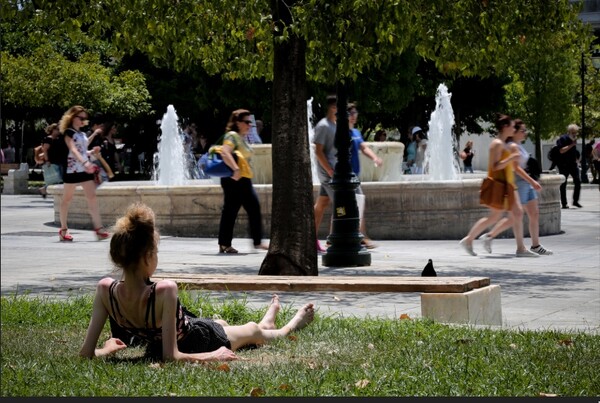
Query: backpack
{"x":554,"y":154}
{"x":533,"y":168}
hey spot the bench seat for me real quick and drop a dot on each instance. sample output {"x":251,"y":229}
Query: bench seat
{"x":4,"y":168}
{"x":326,"y":283}
{"x":445,"y":299}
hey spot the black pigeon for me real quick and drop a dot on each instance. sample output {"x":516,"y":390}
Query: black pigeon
{"x":428,"y":271}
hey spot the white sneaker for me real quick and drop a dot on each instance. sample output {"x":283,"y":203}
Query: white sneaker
{"x":467,"y":247}
{"x":527,"y":253}
{"x":540,"y":250}
{"x":487,"y":242}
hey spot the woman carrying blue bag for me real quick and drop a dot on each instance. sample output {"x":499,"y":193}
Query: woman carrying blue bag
{"x":238,"y":190}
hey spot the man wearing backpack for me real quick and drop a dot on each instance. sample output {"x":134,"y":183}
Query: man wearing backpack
{"x":568,"y":164}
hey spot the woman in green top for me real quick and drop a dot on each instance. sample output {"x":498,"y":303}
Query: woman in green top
{"x":238,"y":190}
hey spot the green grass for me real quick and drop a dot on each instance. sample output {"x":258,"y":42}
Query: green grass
{"x":41,"y":338}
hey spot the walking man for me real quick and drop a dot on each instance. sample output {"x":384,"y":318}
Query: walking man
{"x":568,"y":164}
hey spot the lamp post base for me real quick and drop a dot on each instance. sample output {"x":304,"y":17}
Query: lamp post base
{"x":346,"y":258}
{"x":345,"y":238}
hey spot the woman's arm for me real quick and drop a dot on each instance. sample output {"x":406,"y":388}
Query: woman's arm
{"x":227,"y":155}
{"x":99,"y":316}
{"x":45,"y":148}
{"x":166,"y":293}
{"x":520,"y":171}
{"x":496,"y":148}
{"x":523,"y":174}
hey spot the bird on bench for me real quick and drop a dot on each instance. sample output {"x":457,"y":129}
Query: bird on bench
{"x":429,"y":271}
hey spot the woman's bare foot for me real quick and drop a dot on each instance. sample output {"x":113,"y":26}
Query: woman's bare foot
{"x":268,"y":321}
{"x":303,"y":317}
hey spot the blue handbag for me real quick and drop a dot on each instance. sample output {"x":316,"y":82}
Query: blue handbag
{"x":214,"y":166}
{"x":212,"y":163}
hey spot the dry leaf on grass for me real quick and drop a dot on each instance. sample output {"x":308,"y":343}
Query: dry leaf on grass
{"x":292,"y":337}
{"x":256,"y":392}
{"x":370,"y":346}
{"x":362,"y":383}
{"x":566,"y":342}
{"x":223,"y":367}
{"x":404,"y":316}
{"x":542,"y":394}
{"x":285,"y":386}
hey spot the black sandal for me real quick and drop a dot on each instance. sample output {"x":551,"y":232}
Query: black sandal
{"x":227,"y":249}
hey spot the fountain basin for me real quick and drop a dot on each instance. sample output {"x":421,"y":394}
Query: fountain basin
{"x":390,"y":152}
{"x":412,"y":208}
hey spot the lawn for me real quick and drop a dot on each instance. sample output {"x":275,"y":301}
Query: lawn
{"x":41,"y":338}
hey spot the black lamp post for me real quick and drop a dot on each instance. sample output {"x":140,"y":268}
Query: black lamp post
{"x":345,"y":237}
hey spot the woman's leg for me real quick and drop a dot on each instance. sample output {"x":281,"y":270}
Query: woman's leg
{"x":68,"y":192}
{"x":523,"y":193}
{"x":517,"y":215}
{"x":533,"y":214}
{"x":268,"y":321}
{"x":478,"y":228}
{"x":259,"y":333}
{"x":252,"y":206}
{"x":89,"y":189}
{"x":231,"y":205}
{"x":482,"y":224}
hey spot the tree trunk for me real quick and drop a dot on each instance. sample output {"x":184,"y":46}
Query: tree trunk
{"x":292,"y":249}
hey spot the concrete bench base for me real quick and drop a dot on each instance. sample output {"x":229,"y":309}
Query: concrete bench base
{"x":16,"y":181}
{"x":469,"y":300}
{"x":478,"y":307}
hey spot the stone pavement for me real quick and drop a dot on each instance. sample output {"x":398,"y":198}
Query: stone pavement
{"x":559,"y":292}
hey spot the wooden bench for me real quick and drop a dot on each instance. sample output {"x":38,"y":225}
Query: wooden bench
{"x":444,"y":299}
{"x":4,"y":168}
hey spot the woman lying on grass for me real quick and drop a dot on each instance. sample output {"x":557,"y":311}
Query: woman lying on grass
{"x":152,"y":311}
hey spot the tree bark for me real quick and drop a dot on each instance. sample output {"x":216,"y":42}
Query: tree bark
{"x":292,"y":249}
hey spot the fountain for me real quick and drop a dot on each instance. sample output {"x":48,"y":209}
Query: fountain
{"x":440,"y":156}
{"x":170,"y":162}
{"x":398,"y":206}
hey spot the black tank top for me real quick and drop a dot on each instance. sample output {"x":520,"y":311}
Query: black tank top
{"x":150,"y":332}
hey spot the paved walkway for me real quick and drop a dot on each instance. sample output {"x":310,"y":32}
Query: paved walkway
{"x":550,"y":292}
